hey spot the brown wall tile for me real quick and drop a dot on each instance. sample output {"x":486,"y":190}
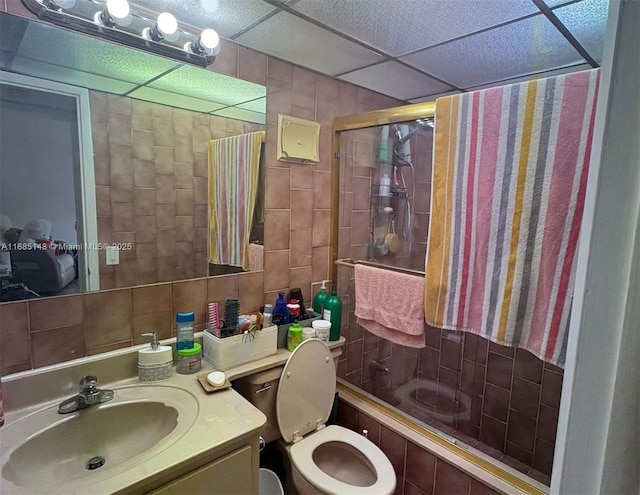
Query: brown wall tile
{"x":14,"y":337}
{"x":151,"y":299}
{"x":395,"y":447}
{"x":251,"y":291}
{"x":60,"y":312}
{"x":420,"y":468}
{"x":47,"y":349}
{"x":107,"y":317}
{"x":450,"y":480}
{"x":158,"y":321}
{"x":191,"y":295}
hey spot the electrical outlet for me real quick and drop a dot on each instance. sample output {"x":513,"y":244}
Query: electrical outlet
{"x":113,"y":255}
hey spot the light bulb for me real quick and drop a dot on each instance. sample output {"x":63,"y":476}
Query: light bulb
{"x":117,"y":12}
{"x":166,"y":27}
{"x":207,"y":44}
{"x":118,"y":9}
{"x":167,"y":24}
{"x":209,"y":40}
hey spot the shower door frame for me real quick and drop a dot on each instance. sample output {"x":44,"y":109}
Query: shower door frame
{"x":394,"y":115}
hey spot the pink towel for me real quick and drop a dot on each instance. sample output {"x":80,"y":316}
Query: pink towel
{"x":256,"y":257}
{"x":389,"y":304}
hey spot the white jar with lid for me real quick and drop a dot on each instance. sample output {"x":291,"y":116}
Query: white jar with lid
{"x":322,"y":329}
{"x":308,"y":333}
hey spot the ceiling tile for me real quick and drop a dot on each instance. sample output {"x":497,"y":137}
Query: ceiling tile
{"x":242,"y":114}
{"x":556,"y":3}
{"x":397,"y":80}
{"x":587,"y":21}
{"x":259,"y":105}
{"x":210,"y":86}
{"x":290,"y":38}
{"x":48,"y":44}
{"x":175,"y":100}
{"x":524,"y":47}
{"x":227,"y":17}
{"x":53,"y":72}
{"x":403,"y":26}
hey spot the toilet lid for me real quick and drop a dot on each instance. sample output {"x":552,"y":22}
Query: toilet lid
{"x":306,"y":389}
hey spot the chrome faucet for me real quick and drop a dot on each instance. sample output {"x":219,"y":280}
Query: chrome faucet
{"x":88,"y":395}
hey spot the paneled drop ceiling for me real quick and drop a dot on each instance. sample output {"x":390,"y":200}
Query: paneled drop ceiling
{"x":411,"y":49}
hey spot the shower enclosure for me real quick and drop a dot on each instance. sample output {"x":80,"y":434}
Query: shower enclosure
{"x":481,"y":396}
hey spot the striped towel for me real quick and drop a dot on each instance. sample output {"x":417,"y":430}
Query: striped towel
{"x":234,"y":168}
{"x":509,"y":178}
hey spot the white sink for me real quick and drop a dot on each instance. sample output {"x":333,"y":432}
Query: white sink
{"x":47,"y":449}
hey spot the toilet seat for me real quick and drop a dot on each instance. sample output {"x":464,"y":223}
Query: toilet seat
{"x":306,"y":390}
{"x":301,"y":454}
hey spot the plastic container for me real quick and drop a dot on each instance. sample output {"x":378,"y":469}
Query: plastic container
{"x":269,"y":483}
{"x":322,"y":329}
{"x":333,"y":313}
{"x":294,"y":337}
{"x":294,"y":310}
{"x":184,"y":330}
{"x":189,"y":360}
{"x":226,"y":353}
{"x":155,"y":363}
{"x":308,"y":333}
{"x":320,"y":298}
{"x":283,"y":330}
{"x":280,"y":311}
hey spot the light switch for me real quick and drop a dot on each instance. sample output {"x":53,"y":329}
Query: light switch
{"x":113,"y":255}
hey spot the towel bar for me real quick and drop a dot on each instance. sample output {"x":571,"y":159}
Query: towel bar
{"x":351,"y":263}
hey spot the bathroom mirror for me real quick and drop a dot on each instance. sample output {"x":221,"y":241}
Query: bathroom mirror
{"x":112,"y":149}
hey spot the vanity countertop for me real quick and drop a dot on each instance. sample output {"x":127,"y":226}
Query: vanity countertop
{"x":223,"y":418}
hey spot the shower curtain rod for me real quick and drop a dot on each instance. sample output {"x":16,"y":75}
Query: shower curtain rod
{"x":351,"y":263}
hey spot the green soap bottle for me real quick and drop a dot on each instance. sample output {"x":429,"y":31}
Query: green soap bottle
{"x":320,"y":299}
{"x":333,"y":313}
{"x":294,"y":336}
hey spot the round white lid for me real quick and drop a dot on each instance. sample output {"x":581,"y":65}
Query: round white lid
{"x":306,"y":389}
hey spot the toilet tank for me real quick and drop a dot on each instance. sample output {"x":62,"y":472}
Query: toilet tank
{"x":261,"y":390}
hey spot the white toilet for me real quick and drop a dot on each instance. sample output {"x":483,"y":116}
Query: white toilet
{"x":323,"y":459}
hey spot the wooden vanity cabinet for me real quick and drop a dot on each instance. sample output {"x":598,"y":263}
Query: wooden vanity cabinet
{"x":230,"y":474}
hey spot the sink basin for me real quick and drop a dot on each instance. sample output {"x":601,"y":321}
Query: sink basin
{"x":51,"y":449}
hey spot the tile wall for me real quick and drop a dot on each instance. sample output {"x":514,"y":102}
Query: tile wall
{"x":39,"y":332}
{"x":418,"y":472}
{"x":297,"y":210}
{"x":151,"y":169}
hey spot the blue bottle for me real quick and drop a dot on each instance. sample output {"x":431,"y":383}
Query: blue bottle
{"x":184,"y":330}
{"x":280,"y":311}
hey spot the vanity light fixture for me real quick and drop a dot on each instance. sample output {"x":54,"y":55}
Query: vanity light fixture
{"x":115,"y":13}
{"x":166,"y":27}
{"x":207,"y":44}
{"x":60,"y":4}
{"x":117,"y":20}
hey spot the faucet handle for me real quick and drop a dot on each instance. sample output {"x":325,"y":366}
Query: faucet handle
{"x":88,"y":382}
